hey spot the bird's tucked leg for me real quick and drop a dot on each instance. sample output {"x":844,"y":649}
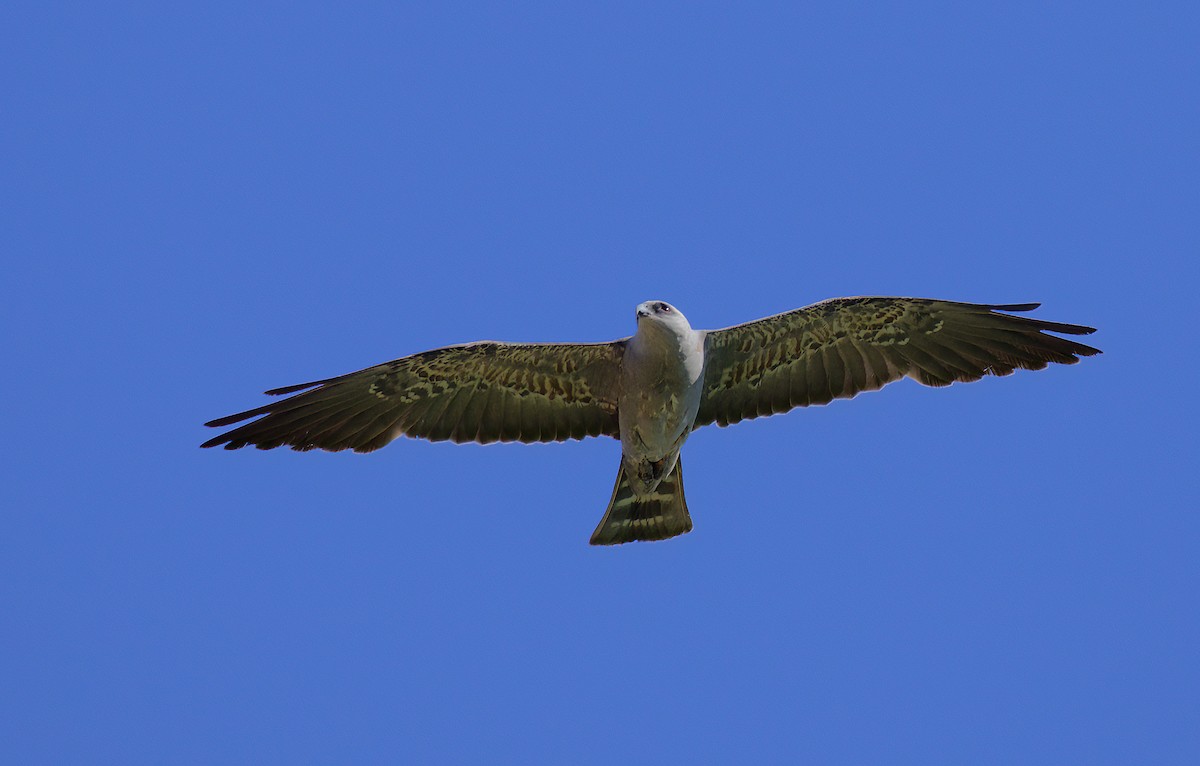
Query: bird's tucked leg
{"x":644,"y":475}
{"x":650,"y":471}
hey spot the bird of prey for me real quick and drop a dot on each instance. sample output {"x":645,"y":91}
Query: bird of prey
{"x":651,"y":390}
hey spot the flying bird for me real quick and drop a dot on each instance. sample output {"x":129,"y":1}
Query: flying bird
{"x":651,"y":390}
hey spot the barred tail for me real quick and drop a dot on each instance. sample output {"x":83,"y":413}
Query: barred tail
{"x":657,"y":516}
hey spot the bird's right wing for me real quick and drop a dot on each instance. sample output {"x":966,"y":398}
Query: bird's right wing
{"x":483,"y":392}
{"x":838,"y":348}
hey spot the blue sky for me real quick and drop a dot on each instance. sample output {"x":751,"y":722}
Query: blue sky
{"x":206,"y":200}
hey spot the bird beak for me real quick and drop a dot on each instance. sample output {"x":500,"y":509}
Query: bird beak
{"x":642,"y":313}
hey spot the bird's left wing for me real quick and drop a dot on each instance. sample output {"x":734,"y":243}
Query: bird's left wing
{"x":482,"y":392}
{"x":838,"y":348}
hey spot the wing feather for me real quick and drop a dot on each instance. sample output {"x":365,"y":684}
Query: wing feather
{"x":855,"y":365}
{"x":348,"y":431}
{"x":818,"y":381}
{"x":481,"y":392}
{"x":839,"y":348}
{"x":511,"y":418}
{"x":837,"y":372}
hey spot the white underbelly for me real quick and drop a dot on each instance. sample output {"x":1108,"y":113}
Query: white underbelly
{"x":658,"y":425}
{"x":660,"y":397}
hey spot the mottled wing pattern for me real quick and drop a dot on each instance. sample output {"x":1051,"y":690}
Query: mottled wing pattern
{"x":838,"y":348}
{"x":480,"y":392}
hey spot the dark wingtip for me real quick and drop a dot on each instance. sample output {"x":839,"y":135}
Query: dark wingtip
{"x":1013,"y":306}
{"x":1060,"y":327}
{"x":229,"y":420}
{"x":292,"y":389}
{"x":1066,"y":329}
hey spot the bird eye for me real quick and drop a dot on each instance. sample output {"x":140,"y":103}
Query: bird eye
{"x":664,"y":308}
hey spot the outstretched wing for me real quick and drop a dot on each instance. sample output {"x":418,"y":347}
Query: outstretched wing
{"x":837,"y":348}
{"x":480,"y":392}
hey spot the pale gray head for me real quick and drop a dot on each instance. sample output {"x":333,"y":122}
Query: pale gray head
{"x":662,"y":314}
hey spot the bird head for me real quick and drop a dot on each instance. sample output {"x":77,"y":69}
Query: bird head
{"x":661,"y":313}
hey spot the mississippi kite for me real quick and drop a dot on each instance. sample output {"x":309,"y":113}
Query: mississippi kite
{"x":651,"y":390}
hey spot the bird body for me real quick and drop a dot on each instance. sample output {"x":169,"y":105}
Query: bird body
{"x":662,"y":377}
{"x":651,"y":390}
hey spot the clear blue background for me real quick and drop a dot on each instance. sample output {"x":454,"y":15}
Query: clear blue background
{"x":201,"y":201}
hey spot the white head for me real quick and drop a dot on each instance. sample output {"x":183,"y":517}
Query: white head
{"x":660,"y":315}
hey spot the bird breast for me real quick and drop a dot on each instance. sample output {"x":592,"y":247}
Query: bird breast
{"x":662,"y":382}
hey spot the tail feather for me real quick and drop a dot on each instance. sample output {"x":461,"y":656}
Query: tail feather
{"x":657,"y":516}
